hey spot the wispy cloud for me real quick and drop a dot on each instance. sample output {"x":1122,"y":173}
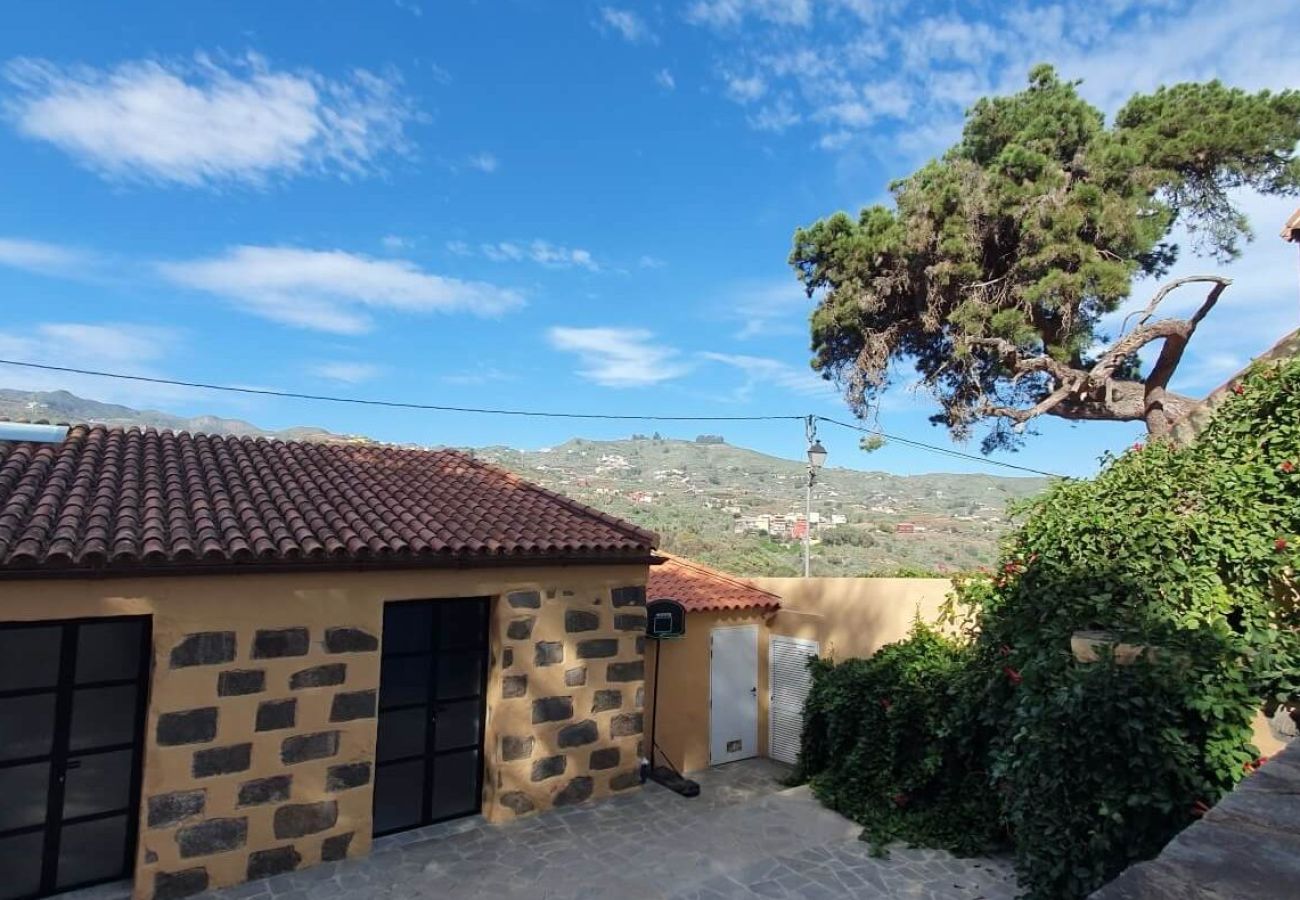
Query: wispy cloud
{"x":619,"y":357}
{"x":477,"y":377}
{"x":762,"y":371}
{"x":730,"y":13}
{"x":484,"y":162}
{"x":627,"y":24}
{"x":651,"y":262}
{"x":331,"y":290}
{"x":544,"y":253}
{"x":346,"y":372}
{"x":396,"y":243}
{"x":775,"y":308}
{"x":204,"y":123}
{"x":44,"y":258}
{"x":665,"y":80}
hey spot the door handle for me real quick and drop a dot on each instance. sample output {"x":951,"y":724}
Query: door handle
{"x":754,"y":691}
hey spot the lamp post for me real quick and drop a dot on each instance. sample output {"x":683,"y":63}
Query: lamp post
{"x":816,"y":458}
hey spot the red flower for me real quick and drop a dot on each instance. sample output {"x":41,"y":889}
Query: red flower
{"x":1137,"y":447}
{"x":900,"y":800}
{"x":1004,"y":650}
{"x":1012,"y":675}
{"x":1200,"y":808}
{"x":1238,"y":389}
{"x":1287,"y":466}
{"x":1280,"y":544}
{"x":886,"y":703}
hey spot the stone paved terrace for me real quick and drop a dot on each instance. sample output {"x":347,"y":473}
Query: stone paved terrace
{"x":745,"y":836}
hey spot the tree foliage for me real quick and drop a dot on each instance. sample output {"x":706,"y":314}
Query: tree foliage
{"x":994,"y":270}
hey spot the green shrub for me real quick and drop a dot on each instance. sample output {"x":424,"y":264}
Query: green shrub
{"x":889,"y":742}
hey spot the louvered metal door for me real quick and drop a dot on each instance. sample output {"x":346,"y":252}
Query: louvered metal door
{"x":789,"y":684}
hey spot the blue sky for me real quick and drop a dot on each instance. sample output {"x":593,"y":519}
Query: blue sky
{"x":556,"y":205}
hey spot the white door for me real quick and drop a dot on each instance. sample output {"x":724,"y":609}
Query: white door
{"x":790,"y":682}
{"x":733,"y":693}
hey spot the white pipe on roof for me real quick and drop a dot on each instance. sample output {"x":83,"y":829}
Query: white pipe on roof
{"x":25,"y":431}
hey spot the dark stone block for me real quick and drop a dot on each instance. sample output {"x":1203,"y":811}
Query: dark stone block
{"x":207,"y":648}
{"x":549,"y":767}
{"x":335,"y":847}
{"x":274,"y":789}
{"x":191,"y":726}
{"x":578,"y":734}
{"x":507,"y":657}
{"x":278,"y":642}
{"x":301,"y":748}
{"x":628,"y":596}
{"x":265,"y":863}
{"x":548,"y":653}
{"x":352,"y":705}
{"x":513,"y":748}
{"x":237,"y":682}
{"x":626,"y":725}
{"x":222,"y":760}
{"x":606,"y":699}
{"x":185,"y":883}
{"x":168,"y":809}
{"x":212,"y":836}
{"x":624,"y":780}
{"x":576,"y":620}
{"x":350,"y":640}
{"x":514,"y":686}
{"x":575,"y":677}
{"x":517,"y":802}
{"x":272,"y":715}
{"x":150,"y":857}
{"x":625,"y":622}
{"x":521,"y":629}
{"x":605,"y":758}
{"x":295,"y":820}
{"x":626,"y":671}
{"x":597,"y":648}
{"x":640,"y":645}
{"x":575,"y":791}
{"x":327,"y":675}
{"x":552,"y":709}
{"x":524,"y":600}
{"x":347,"y":776}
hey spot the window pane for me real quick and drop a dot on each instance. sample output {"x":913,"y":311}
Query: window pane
{"x":399,"y":794}
{"x":459,"y":674}
{"x":455,"y":785}
{"x":102,"y":717}
{"x":457,"y":725}
{"x":20,"y":864}
{"x":92,"y":851}
{"x":98,"y":783}
{"x":407,"y":627}
{"x":108,"y":651}
{"x":29,"y":657}
{"x":404,"y":679}
{"x":23,"y":794}
{"x":401,"y":733}
{"x":27,"y":724}
{"x":461,"y":624}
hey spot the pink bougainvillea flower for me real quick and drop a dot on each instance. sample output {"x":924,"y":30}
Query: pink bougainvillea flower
{"x":1137,"y":447}
{"x":886,"y":703}
{"x":1287,"y":466}
{"x":1280,"y":544}
{"x":1200,"y":808}
{"x":1012,"y":675}
{"x":1238,"y":390}
{"x":1004,"y":650}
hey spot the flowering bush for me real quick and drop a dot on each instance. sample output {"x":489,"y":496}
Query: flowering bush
{"x":1189,"y":555}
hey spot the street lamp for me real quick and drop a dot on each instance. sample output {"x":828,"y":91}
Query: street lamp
{"x":816,"y":458}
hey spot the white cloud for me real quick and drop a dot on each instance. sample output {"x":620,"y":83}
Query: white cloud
{"x":44,"y":258}
{"x":477,"y":377}
{"x":744,"y":89}
{"x":544,"y":253}
{"x":459,"y":248}
{"x":395,"y":242}
{"x":619,"y":357}
{"x":775,"y":117}
{"x":665,"y":80}
{"x":730,"y":13}
{"x":331,"y":290}
{"x":776,"y":308}
{"x":484,"y":162}
{"x":761,"y":370}
{"x":346,"y":372}
{"x":628,"y":24}
{"x":650,"y":262}
{"x":204,"y":123}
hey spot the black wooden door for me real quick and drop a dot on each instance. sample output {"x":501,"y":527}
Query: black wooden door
{"x":429,"y":762}
{"x":73,"y":696}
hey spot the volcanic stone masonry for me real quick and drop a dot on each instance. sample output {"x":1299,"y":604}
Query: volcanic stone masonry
{"x":261,"y":755}
{"x":567,"y":682}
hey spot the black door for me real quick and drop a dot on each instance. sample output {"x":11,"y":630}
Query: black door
{"x":429,"y":762}
{"x":72,"y":707}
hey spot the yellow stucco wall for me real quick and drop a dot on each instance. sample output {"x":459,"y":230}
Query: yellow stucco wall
{"x":245,"y":604}
{"x":852,"y":617}
{"x":682,"y":727}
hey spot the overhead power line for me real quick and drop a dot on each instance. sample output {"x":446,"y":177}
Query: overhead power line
{"x":494,"y":411}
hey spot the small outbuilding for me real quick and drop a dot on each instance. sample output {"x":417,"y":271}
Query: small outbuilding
{"x":223,"y":658}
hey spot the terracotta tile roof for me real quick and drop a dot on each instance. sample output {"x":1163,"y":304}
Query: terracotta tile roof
{"x":701,"y":589}
{"x":108,"y":500}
